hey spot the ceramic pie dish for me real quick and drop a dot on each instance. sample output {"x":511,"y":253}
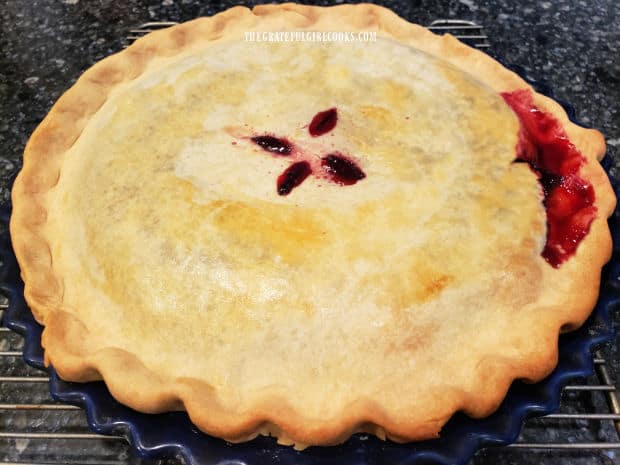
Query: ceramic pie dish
{"x":304,"y":240}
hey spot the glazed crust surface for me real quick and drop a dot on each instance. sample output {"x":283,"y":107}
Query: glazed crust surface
{"x":224,"y":228}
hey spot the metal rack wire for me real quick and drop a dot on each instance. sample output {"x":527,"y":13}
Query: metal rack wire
{"x":58,"y":433}
{"x":467,"y":31}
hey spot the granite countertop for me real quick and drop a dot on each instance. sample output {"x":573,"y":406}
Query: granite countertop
{"x":572,"y":45}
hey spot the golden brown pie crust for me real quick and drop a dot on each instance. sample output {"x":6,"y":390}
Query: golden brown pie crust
{"x":65,"y":337}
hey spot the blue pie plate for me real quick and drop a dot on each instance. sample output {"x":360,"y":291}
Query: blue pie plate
{"x":172,"y":435}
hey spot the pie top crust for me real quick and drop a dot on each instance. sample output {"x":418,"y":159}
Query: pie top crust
{"x":160,"y":258}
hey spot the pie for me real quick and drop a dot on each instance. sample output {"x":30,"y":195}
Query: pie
{"x":308,"y":239}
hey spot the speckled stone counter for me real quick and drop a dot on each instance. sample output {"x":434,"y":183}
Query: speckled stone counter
{"x":574,"y":46}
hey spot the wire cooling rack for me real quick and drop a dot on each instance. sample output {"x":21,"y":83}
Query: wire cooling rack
{"x":35,"y":430}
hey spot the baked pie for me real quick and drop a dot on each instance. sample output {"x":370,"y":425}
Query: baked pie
{"x":308,"y":239}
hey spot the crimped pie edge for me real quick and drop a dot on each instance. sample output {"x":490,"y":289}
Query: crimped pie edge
{"x":136,"y":386}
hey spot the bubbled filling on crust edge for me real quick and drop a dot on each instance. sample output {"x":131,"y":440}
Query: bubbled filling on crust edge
{"x":568,"y":198}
